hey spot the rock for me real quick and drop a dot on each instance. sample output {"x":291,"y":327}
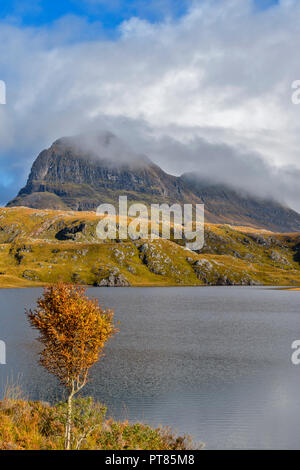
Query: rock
{"x":224,"y":280}
{"x":30,"y":275}
{"x":144,"y":248}
{"x":19,"y":252}
{"x":131,"y":269}
{"x":69,"y":233}
{"x":236,"y":254}
{"x":249,"y":257}
{"x":76,"y":278}
{"x":154,"y":259}
{"x":82,"y":252}
{"x":113,"y":280}
{"x":204,"y":263}
{"x":278,"y":258}
{"x":260,"y":240}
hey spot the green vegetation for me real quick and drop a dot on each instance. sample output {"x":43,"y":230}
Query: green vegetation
{"x":34,"y":425}
{"x":42,"y":246}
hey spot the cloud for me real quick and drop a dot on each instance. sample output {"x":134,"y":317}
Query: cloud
{"x":209,"y":91}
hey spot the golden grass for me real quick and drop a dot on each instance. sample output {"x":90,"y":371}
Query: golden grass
{"x":31,"y":255}
{"x":34,"y":425}
{"x":292,"y":289}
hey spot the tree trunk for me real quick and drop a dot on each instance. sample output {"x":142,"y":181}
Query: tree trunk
{"x":69,"y":422}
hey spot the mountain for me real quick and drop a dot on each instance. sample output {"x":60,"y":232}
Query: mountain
{"x":227,"y":205}
{"x":74,"y":175}
{"x":79,"y":173}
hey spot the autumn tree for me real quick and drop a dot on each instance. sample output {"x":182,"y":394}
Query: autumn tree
{"x":73,"y":330}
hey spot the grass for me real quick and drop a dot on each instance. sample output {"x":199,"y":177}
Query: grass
{"x":35,"y":425}
{"x":32,"y":255}
{"x":293,"y":289}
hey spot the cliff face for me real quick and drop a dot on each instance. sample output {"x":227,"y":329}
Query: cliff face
{"x":62,"y":164}
{"x":68,"y":176}
{"x":79,"y":174}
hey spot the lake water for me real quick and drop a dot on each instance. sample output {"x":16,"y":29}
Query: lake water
{"x":214,"y":362}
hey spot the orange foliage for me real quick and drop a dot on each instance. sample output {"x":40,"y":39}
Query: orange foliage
{"x":73,"y":330}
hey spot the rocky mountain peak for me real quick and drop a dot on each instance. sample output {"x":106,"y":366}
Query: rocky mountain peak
{"x":82,"y":172}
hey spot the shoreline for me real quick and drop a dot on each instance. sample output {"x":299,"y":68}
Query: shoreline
{"x":41,"y":285}
{"x":291,"y":288}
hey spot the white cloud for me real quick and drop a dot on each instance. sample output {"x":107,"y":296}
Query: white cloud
{"x":218,"y":78}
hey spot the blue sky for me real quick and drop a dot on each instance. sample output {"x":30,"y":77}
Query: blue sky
{"x":110,"y":13}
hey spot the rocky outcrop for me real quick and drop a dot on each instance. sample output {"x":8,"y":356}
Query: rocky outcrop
{"x":19,"y":252}
{"x":113,"y":280}
{"x":155,"y":260}
{"x":278,"y":258}
{"x":30,"y":275}
{"x":69,"y":233}
{"x":78,"y":174}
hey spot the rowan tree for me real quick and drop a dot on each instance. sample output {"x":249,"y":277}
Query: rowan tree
{"x":73,"y":330}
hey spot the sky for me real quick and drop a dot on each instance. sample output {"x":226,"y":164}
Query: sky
{"x":198,"y":85}
{"x":110,"y":13}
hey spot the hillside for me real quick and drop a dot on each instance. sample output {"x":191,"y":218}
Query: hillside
{"x":80,"y":173}
{"x":41,"y":246}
